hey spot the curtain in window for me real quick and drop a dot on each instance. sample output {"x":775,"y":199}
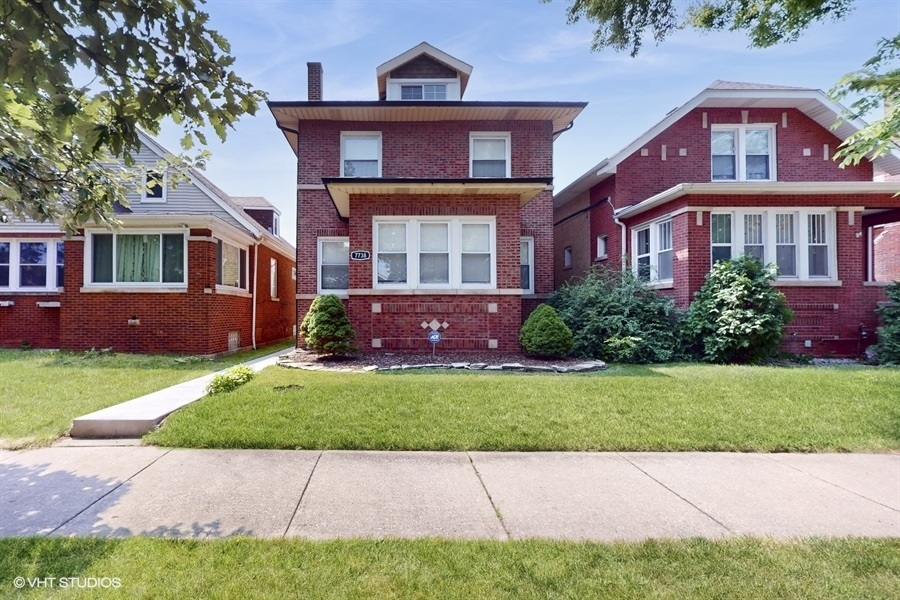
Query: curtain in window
{"x":137,"y":258}
{"x":4,"y":264}
{"x":476,"y":253}
{"x":489,"y":157}
{"x":434,"y":255}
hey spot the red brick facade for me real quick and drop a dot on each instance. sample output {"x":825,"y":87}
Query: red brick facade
{"x":478,"y":320}
{"x":197,"y":320}
{"x":832,"y":317}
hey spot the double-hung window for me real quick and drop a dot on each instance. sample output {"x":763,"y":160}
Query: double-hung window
{"x":653,"y":251}
{"x":231,"y":267}
{"x":137,"y":258}
{"x":489,"y":155}
{"x":526,"y":264}
{"x":743,"y":153}
{"x":437,"y":253}
{"x":799,"y":241}
{"x":361,"y":154}
{"x":334,"y":264}
{"x":31,"y":265}
{"x":273,"y":278}
{"x":154,"y":189}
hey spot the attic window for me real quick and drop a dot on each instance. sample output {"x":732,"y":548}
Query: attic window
{"x":425,"y":91}
{"x":154,"y":189}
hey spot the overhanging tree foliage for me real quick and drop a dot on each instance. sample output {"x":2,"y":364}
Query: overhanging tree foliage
{"x":78,"y":78}
{"x":625,"y":24}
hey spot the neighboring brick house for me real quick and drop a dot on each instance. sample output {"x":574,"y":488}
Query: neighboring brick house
{"x":189,"y":272}
{"x":446,"y":204}
{"x":744,"y":169}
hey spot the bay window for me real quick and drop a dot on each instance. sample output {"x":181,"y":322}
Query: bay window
{"x":334,"y":264}
{"x":743,"y":152}
{"x":30,"y":265}
{"x":653,"y":252}
{"x":774,"y":235}
{"x":436,"y":253}
{"x":137,"y":258}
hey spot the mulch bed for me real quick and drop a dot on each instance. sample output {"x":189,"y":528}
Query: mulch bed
{"x":384,"y":360}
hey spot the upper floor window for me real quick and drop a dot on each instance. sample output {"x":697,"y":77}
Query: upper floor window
{"x":424,"y":91}
{"x":141,"y":258}
{"x":801,"y":242}
{"x":361,"y":154}
{"x":154,"y":189}
{"x":31,"y":265}
{"x":435,"y":253}
{"x":489,"y":154}
{"x":652,"y":249}
{"x":743,"y":153}
{"x":275,"y":224}
{"x":231,"y":268}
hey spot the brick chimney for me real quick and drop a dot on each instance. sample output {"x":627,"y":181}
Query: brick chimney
{"x":315,"y":81}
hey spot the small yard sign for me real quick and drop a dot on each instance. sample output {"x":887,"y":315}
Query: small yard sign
{"x":434,"y":337}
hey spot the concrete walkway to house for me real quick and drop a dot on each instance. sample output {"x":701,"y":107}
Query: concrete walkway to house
{"x":136,"y":417}
{"x":121,"y":489}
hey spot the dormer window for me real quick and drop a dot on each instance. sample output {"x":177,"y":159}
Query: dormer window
{"x":425,"y":91}
{"x":154,"y":189}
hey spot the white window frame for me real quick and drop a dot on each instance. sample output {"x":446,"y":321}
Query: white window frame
{"x":421,"y":85}
{"x":568,"y":257}
{"x":273,"y":278}
{"x":602,"y":247}
{"x":165,"y":187}
{"x":490,"y":135}
{"x":412,"y":252}
{"x":246,"y":252}
{"x":148,"y":285}
{"x":529,"y":240}
{"x":275,"y":222}
{"x":345,"y":135}
{"x":52,"y":284}
{"x":653,"y":228}
{"x":740,"y":159}
{"x":395,"y":87}
{"x":801,"y":237}
{"x":319,"y":254}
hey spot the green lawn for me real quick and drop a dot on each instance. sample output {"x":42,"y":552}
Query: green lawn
{"x":245,"y":568}
{"x":660,"y":408}
{"x":42,"y":391}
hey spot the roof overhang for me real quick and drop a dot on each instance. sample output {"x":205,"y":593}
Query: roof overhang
{"x":289,"y":114}
{"x":769,"y":188}
{"x":463,"y":69}
{"x":813,"y":103}
{"x":341,"y":188}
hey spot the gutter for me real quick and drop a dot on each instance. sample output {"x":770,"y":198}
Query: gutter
{"x":255,"y":292}
{"x":624,"y":255}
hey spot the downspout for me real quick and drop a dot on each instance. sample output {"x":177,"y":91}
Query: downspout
{"x":255,"y":281}
{"x":616,"y":220}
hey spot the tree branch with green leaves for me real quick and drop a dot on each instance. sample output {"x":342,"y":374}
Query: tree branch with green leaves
{"x":80,"y":78}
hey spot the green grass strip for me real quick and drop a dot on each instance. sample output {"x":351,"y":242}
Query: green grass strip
{"x":660,"y":408}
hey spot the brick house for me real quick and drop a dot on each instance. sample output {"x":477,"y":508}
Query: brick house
{"x":189,"y":272}
{"x":422,"y":210}
{"x":744,"y":169}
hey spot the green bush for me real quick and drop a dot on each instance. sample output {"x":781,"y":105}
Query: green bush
{"x":229,"y":380}
{"x":737,"y":316}
{"x":327,"y":329}
{"x":545,"y":334}
{"x":618,"y":318}
{"x":888,"y":348}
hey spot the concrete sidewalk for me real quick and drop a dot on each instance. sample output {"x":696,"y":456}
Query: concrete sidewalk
{"x":130,"y":490}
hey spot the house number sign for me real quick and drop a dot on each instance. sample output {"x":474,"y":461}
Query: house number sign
{"x":360,"y":255}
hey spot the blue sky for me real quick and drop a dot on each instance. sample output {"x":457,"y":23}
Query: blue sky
{"x":520,"y":50}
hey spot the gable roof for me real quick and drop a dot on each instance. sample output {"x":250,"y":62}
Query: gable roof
{"x":253,"y":202}
{"x":384,"y":69}
{"x":733,"y":94}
